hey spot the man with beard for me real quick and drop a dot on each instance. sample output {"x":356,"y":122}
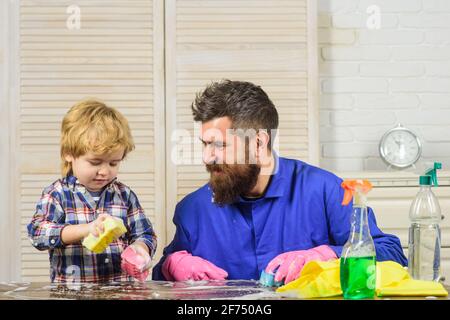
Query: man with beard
{"x":259,"y":211}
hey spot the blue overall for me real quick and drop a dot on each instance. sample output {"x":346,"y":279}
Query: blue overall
{"x":300,"y":209}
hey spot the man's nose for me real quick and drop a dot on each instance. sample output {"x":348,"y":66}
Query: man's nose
{"x":209,"y":156}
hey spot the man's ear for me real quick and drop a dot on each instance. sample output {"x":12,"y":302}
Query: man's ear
{"x":262,"y":141}
{"x":263,"y":150}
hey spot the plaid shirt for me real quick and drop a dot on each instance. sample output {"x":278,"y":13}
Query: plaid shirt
{"x":67,"y":202}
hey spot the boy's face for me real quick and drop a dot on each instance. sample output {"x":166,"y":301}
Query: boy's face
{"x":96,"y":171}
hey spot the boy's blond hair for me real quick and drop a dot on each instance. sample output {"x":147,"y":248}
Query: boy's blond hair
{"x":92,"y":126}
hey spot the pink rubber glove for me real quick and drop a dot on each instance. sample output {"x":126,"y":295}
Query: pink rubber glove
{"x":136,"y":262}
{"x":182,"y":266}
{"x":290,"y":263}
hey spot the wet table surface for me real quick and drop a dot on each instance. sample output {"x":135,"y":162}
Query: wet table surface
{"x":223,"y":290}
{"x":241,"y":289}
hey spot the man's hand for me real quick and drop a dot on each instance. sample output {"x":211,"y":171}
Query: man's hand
{"x":182,"y":266}
{"x":291,"y":263}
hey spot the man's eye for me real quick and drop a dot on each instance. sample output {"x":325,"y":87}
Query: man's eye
{"x":219,"y":145}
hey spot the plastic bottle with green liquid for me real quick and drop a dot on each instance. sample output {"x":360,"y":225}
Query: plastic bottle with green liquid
{"x":358,"y":258}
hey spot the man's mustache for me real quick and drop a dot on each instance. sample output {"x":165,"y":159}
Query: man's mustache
{"x":217,"y":167}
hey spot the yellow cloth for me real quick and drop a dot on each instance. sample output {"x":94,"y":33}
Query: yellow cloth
{"x":320,"y":279}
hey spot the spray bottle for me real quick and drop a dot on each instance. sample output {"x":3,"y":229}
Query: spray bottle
{"x":358,"y":258}
{"x":424,"y":232}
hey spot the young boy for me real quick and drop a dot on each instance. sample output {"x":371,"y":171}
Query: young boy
{"x":94,"y":140}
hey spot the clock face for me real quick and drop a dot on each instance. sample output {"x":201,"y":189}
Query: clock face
{"x":400,"y":147}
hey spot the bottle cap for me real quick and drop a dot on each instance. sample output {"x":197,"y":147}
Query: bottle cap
{"x":425,"y":180}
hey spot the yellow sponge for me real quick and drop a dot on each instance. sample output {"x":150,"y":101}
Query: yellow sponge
{"x":114,"y":228}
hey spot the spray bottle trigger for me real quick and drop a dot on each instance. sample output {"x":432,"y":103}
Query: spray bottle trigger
{"x":348,"y":195}
{"x":352,"y":186}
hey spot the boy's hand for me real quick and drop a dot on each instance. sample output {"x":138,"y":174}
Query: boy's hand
{"x":136,"y":261}
{"x":77,"y":232}
{"x":96,"y":227}
{"x":142,"y":250}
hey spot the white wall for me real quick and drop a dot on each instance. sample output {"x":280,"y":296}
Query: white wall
{"x":370,"y":80}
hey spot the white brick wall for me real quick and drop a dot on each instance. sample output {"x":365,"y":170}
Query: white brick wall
{"x":436,"y":6}
{"x":371,"y":80}
{"x":391,"y":69}
{"x":386,"y":101}
{"x":397,"y":6}
{"x":354,"y":85}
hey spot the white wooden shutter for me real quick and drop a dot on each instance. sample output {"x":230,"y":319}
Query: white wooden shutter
{"x":7,"y":217}
{"x":116,"y":56}
{"x":270,"y":43}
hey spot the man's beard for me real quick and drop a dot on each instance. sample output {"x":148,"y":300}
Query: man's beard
{"x":228,"y":182}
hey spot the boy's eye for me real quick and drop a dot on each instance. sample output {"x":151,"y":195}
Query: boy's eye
{"x":94,"y":163}
{"x":113,"y":164}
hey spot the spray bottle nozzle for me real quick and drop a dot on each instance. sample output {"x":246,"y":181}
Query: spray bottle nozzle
{"x":351,"y":186}
{"x":431,"y":171}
